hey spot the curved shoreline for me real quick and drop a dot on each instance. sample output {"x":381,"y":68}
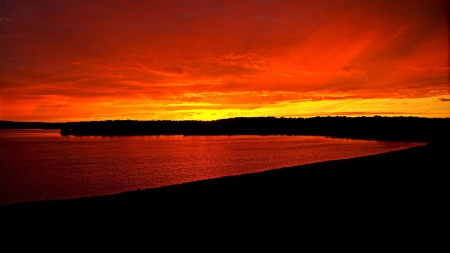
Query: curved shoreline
{"x":133,"y":189}
{"x":401,"y":192}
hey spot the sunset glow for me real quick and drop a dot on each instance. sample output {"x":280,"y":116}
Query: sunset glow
{"x":204,"y":60}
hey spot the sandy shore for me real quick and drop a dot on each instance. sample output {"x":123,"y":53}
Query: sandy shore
{"x":395,"y":199}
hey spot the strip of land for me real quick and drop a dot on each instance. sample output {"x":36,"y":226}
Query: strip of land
{"x":397,"y":198}
{"x":413,"y":129}
{"x":369,"y":128}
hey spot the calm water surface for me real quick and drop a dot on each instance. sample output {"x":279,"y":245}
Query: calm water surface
{"x":40,"y":164}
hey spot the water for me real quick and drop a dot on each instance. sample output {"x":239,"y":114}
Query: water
{"x":40,"y":164}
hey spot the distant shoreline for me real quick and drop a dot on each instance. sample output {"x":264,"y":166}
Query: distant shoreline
{"x":409,"y":129}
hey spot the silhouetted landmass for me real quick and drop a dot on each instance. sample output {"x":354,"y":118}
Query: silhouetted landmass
{"x":6,"y":124}
{"x":377,"y":128}
{"x":395,"y":200}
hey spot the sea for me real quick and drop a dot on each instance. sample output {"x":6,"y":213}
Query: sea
{"x":41,"y":164}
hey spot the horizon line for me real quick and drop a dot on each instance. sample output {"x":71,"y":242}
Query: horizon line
{"x":242,"y":117}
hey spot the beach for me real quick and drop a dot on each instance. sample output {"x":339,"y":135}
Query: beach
{"x":395,"y":198}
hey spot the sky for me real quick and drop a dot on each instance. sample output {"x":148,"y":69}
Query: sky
{"x":82,"y":60}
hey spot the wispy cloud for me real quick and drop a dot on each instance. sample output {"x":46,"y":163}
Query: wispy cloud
{"x":225,"y":53}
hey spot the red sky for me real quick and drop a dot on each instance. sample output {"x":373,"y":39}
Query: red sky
{"x":95,"y":60}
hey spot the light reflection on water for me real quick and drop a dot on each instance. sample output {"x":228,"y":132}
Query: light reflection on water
{"x":36,"y":164}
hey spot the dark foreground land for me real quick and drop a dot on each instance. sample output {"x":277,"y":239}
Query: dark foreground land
{"x":391,"y":201}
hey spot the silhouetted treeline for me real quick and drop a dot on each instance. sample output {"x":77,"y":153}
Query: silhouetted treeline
{"x":376,"y":128}
{"x":5,"y":124}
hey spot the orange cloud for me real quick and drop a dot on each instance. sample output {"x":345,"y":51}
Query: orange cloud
{"x":72,"y":60}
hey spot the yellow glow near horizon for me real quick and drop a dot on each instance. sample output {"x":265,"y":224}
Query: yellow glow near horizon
{"x":178,"y":60}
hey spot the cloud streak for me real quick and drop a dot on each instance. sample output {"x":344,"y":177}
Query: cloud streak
{"x":230,"y":54}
